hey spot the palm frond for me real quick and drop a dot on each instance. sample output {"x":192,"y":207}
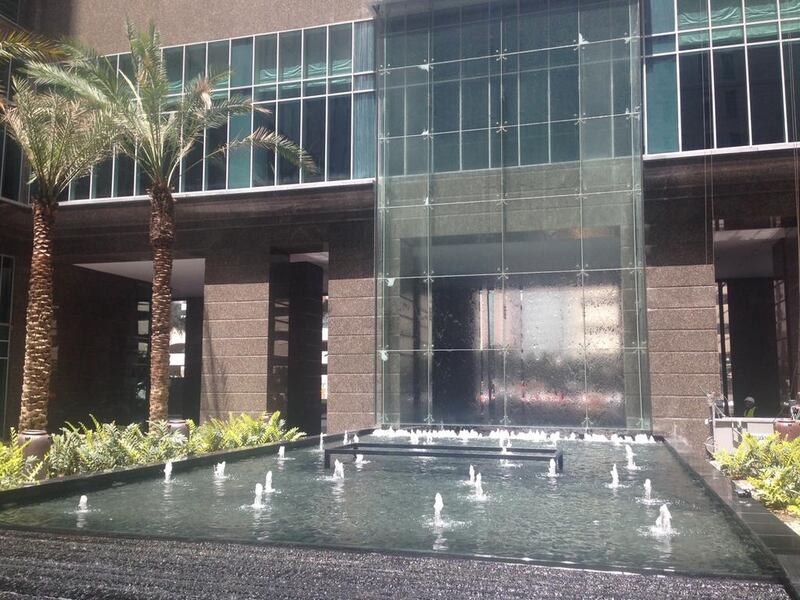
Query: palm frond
{"x":23,"y":45}
{"x":61,"y":138}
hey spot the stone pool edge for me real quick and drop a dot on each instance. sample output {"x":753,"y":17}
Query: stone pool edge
{"x":774,"y":536}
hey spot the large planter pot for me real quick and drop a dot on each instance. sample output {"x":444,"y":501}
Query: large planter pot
{"x":176,"y":424}
{"x":38,"y":442}
{"x":787,"y":428}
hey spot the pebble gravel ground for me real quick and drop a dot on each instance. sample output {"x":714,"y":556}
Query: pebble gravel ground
{"x":44,"y":565}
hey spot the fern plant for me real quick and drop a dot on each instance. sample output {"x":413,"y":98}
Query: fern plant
{"x":15,"y":469}
{"x":106,"y":446}
{"x":242,"y":431}
{"x":771,"y":465}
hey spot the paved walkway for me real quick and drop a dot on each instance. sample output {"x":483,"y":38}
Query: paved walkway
{"x":37,"y":565}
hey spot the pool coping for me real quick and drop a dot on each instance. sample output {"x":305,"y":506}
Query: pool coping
{"x":775,"y":537}
{"x":767,"y":530}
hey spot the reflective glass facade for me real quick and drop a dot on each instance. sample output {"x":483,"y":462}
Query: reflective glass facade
{"x":6,"y":280}
{"x":721,"y":73}
{"x":317,"y":86}
{"x":509,"y":252}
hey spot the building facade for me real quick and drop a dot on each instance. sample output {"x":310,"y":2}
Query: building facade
{"x":572,"y":213}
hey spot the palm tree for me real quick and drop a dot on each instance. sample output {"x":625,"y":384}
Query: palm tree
{"x":61,"y":139}
{"x":159,"y":131}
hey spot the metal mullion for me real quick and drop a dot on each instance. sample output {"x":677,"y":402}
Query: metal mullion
{"x":713,"y":98}
{"x":783,"y":91}
{"x":228,"y":132}
{"x":252,"y":100}
{"x":678,"y":77}
{"x":203,"y":182}
{"x":747,"y":95}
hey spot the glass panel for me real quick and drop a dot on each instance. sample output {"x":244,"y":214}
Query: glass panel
{"x":465,"y":238}
{"x":242,"y":62}
{"x":11,"y":170}
{"x":288,"y":126}
{"x":660,"y":44}
{"x":659,"y":16}
{"x":789,"y":8}
{"x":692,"y":14}
{"x":123,"y":175}
{"x":101,"y":179}
{"x":341,"y":49}
{"x":727,"y":36}
{"x":125,"y":66}
{"x":364,"y":135}
{"x":446,"y":114}
{"x":534,"y":144}
{"x":564,"y":93}
{"x":760,"y":10}
{"x":264,"y":160}
{"x":266,"y":57}
{"x":215,"y":165}
{"x":173,"y":64}
{"x":315,"y":52}
{"x":466,"y":386}
{"x":662,"y":105}
{"x":762,"y":32}
{"x":194,"y":64}
{"x":766,"y":96}
{"x":314,"y":136}
{"x":730,"y":97}
{"x":696,"y":126}
{"x":239,"y":157}
{"x":339,"y":137}
{"x":726,"y":12}
{"x":79,"y":190}
{"x":264,"y":93}
{"x":364,"y":33}
{"x":218,"y":62}
{"x":290,"y":51}
{"x":192,"y":179}
{"x":405,"y":387}
{"x":695,"y":39}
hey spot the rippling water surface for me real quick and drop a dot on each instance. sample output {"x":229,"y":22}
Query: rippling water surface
{"x":387,"y":503}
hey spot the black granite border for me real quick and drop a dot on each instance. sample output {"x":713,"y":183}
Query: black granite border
{"x":778,"y":541}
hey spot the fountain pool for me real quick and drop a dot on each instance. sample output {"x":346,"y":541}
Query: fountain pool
{"x":575,"y":518}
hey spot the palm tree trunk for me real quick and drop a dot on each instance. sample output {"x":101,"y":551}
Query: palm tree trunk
{"x":162,"y":237}
{"x":39,"y":320}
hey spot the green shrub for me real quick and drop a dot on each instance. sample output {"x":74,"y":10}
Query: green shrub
{"x":107,"y":446}
{"x":15,"y":469}
{"x":771,"y":465}
{"x":240,"y":432}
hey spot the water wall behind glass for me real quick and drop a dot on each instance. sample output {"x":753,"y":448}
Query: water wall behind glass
{"x":510,"y":270}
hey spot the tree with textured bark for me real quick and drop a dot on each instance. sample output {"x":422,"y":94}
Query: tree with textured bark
{"x":61,"y":139}
{"x":160,"y":130}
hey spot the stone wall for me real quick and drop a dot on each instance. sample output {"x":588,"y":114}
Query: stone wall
{"x":351,"y":327}
{"x":101,"y":23}
{"x":684,"y":360}
{"x":235,"y":331}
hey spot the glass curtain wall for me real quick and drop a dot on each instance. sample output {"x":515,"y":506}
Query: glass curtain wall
{"x":721,"y":73}
{"x":6,"y":279}
{"x":509,"y":256}
{"x":315,"y":86}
